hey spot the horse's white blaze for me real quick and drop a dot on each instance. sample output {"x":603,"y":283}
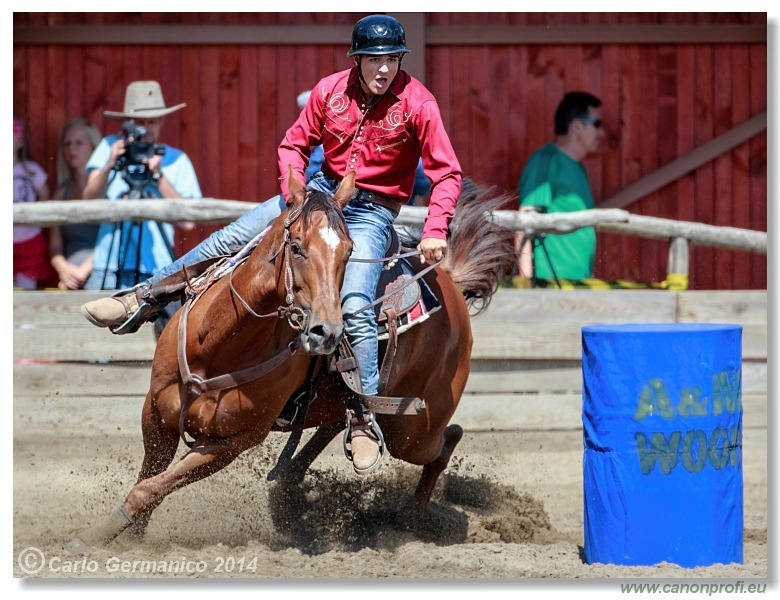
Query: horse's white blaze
{"x":330,"y":236}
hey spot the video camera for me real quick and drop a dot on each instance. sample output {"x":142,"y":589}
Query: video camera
{"x":132,"y":163}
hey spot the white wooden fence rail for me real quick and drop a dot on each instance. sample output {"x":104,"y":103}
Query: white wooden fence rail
{"x":208,"y":210}
{"x":526,"y":363}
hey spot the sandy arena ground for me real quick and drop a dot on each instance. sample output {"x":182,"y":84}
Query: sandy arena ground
{"x":509,"y":509}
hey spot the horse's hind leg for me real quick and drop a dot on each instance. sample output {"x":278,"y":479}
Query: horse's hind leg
{"x":432,"y":470}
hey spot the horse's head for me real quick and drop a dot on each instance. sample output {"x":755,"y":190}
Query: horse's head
{"x":318,"y":248}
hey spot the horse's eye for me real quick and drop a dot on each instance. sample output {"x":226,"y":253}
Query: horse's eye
{"x":296,"y":249}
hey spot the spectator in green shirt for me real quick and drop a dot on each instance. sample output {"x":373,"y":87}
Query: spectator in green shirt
{"x":554,"y":180}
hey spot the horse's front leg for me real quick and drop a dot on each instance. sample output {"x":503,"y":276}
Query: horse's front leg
{"x":295,"y":470}
{"x":205,"y":458}
{"x":160,"y":445}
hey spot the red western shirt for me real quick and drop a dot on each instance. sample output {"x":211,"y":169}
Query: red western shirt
{"x":382,"y":142}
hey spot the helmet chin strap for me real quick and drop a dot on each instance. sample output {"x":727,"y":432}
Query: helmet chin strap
{"x":374,"y":97}
{"x":358,"y":59}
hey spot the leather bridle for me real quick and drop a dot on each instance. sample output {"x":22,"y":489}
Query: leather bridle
{"x":297,"y":317}
{"x":194,"y":385}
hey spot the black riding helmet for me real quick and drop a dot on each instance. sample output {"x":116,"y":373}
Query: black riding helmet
{"x":376,"y":35}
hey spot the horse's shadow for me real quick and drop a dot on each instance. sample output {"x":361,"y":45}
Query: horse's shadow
{"x":331,"y":510}
{"x":334,"y":510}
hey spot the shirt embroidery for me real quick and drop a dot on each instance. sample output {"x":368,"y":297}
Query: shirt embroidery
{"x":339,"y":103}
{"x":380,"y":147}
{"x":394,"y":119}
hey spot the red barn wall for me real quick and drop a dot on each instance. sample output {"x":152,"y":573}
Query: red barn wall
{"x":663,"y":96}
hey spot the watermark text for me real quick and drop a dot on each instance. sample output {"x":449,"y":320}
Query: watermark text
{"x":32,"y":561}
{"x":706,"y":589}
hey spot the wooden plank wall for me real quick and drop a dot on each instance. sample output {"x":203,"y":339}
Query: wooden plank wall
{"x":661,"y":101}
{"x":526,"y":370}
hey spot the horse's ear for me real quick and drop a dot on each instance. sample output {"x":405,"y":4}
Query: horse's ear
{"x":295,"y":188}
{"x":345,"y":190}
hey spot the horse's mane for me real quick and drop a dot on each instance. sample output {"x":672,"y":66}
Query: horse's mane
{"x":320,"y":201}
{"x":480,"y":251}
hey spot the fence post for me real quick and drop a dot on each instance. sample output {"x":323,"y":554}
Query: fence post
{"x":677,"y":269}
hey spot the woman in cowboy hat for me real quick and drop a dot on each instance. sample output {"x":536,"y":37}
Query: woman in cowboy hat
{"x":127,"y":253}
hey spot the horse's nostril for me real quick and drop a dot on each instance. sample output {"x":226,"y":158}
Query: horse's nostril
{"x":326,"y":333}
{"x":317,"y":331}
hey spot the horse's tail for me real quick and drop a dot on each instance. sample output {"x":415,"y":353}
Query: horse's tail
{"x":480,"y":251}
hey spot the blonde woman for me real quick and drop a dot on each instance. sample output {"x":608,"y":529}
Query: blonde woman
{"x":71,"y":247}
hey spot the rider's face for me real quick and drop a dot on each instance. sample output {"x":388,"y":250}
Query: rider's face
{"x":378,"y":72}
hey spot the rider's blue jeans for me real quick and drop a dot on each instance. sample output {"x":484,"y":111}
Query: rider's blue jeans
{"x":369,"y":227}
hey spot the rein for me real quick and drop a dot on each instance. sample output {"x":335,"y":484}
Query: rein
{"x":392,"y":258}
{"x":407,"y":283}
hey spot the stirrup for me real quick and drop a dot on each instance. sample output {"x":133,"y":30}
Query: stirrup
{"x":146,"y":311}
{"x":366,"y":419}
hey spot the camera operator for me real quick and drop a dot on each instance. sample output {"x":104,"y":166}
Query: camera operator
{"x":124,"y":166}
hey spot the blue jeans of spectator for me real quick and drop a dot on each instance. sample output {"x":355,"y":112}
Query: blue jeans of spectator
{"x":369,"y":227}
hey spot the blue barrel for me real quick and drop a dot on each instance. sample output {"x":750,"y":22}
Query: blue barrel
{"x":662,"y":465}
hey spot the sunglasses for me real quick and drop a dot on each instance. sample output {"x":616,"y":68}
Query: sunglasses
{"x":595,"y":122}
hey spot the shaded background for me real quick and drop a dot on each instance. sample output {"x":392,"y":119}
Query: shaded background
{"x":671,"y":83}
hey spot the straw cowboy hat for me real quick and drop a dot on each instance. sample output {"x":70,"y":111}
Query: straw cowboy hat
{"x":143,"y":100}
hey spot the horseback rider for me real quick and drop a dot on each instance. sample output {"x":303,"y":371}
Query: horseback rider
{"x":373,"y":119}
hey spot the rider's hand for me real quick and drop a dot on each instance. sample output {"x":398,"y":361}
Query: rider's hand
{"x":433,"y":249}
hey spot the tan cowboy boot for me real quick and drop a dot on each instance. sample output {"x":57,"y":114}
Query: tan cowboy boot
{"x":111,"y":311}
{"x":367,"y":445}
{"x":127,"y":310}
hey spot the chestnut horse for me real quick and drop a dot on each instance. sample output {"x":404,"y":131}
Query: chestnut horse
{"x":295,"y":273}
